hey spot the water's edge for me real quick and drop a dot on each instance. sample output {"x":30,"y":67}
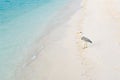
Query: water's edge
{"x":59,"y":19}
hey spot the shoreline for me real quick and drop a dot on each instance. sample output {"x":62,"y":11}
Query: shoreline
{"x":49,"y":57}
{"x":42,"y":41}
{"x":46,"y":41}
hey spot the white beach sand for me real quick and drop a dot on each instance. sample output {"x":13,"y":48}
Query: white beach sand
{"x":64,"y":58}
{"x":102,"y":26}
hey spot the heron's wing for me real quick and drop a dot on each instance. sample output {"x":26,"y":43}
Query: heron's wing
{"x":86,"y":39}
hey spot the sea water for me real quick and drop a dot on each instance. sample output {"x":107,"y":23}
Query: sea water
{"x":21,"y":22}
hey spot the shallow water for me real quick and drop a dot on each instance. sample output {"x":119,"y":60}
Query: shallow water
{"x":21,"y":22}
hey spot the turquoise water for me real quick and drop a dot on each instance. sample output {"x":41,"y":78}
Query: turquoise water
{"x":21,"y":22}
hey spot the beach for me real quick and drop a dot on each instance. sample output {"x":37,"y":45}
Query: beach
{"x":63,"y":57}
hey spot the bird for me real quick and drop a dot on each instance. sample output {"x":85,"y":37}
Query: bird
{"x":86,"y":40}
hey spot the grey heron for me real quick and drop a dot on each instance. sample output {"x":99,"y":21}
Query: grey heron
{"x":86,"y":40}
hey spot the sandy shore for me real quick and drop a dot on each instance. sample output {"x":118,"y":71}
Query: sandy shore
{"x":64,"y":58}
{"x":102,"y":26}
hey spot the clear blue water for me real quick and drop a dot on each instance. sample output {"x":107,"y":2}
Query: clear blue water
{"x":21,"y":22}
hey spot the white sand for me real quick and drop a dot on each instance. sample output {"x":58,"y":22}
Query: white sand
{"x":64,"y":59}
{"x":102,"y":26}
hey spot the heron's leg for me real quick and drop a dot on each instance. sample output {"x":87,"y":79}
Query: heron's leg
{"x":85,"y":45}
